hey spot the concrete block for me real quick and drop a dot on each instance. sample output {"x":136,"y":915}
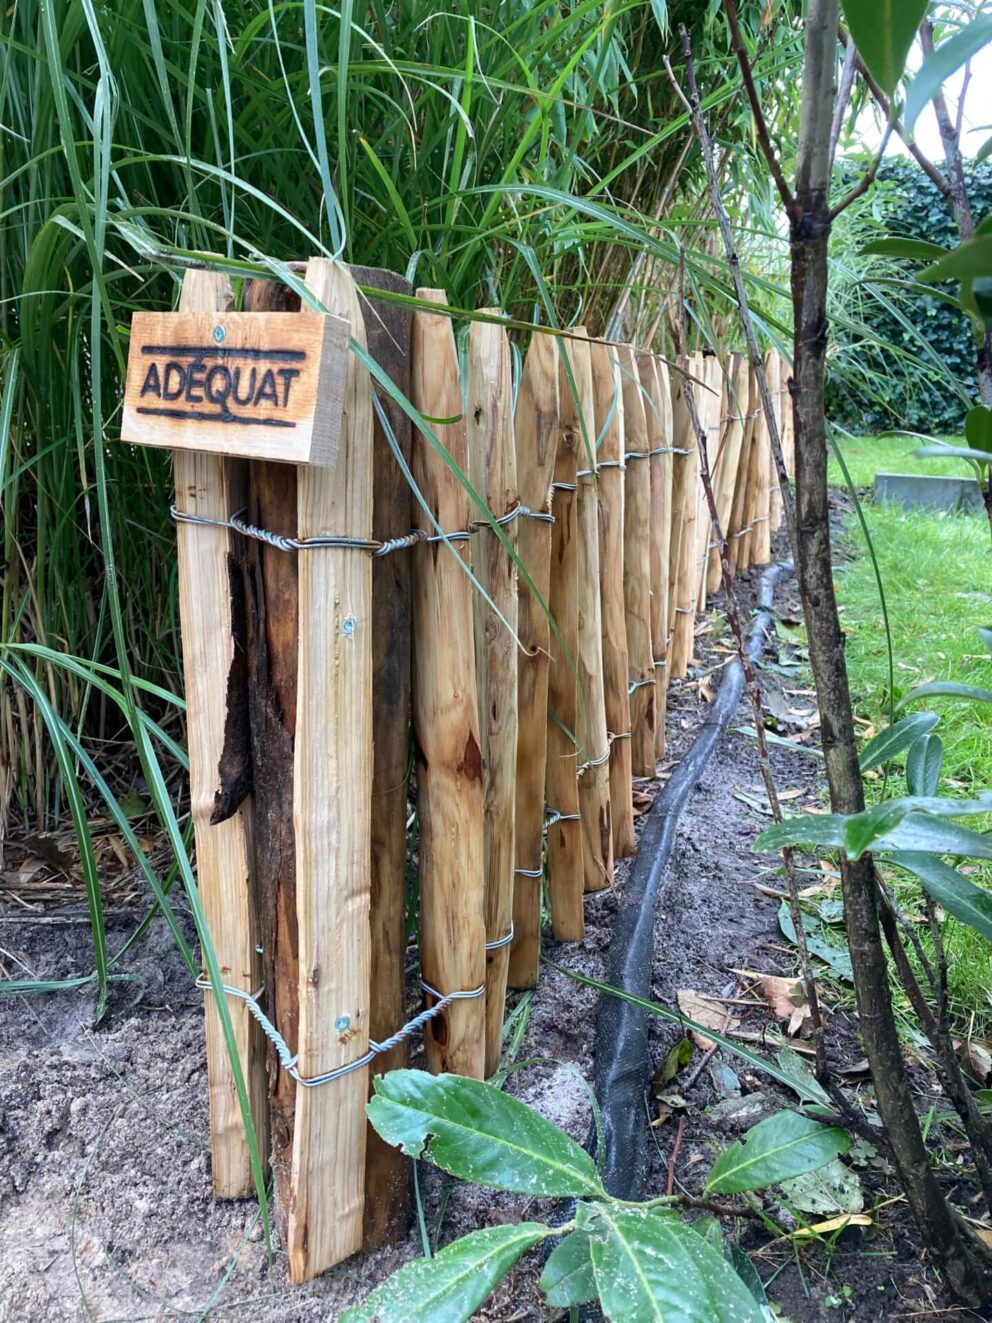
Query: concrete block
{"x":923,"y":491}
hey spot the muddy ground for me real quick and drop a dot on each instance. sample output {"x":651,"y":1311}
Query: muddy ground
{"x":106,"y":1210}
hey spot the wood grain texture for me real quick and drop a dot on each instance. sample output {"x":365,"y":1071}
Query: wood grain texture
{"x":761,"y":546}
{"x":214,"y":488}
{"x":536,"y":432}
{"x":709,"y":401}
{"x":387,"y":330}
{"x":271,"y":591}
{"x":591,"y":729}
{"x":737,"y":537}
{"x":773,"y":377}
{"x":258,"y":386}
{"x":332,"y":820}
{"x":685,"y":503}
{"x":492,"y":469}
{"x":608,"y":395}
{"x":565,"y":864}
{"x":657,"y":388}
{"x":736,"y":401}
{"x":446,"y":716}
{"x":637,"y":569}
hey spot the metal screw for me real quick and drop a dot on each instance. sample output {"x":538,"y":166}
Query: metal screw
{"x":348,"y":625}
{"x":342,"y":1023}
{"x":219,"y":334}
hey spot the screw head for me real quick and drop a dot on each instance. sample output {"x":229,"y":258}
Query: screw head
{"x":348,"y":625}
{"x":342,"y":1023}
{"x":219,"y":334}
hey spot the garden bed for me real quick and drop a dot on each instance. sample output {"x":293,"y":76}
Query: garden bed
{"x":106,"y":1209}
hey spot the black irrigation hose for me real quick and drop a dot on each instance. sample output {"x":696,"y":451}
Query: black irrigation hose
{"x":622,"y":1063}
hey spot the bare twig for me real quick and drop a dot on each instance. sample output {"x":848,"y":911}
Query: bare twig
{"x":866,"y":180}
{"x":670,"y":1186}
{"x":847,"y":73}
{"x":760,"y":125}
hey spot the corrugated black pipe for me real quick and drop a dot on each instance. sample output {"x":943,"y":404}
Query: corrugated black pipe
{"x":622,"y":1063}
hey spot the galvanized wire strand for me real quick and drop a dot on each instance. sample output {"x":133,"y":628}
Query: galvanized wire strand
{"x":282,"y":542}
{"x":639,"y":684}
{"x":287,"y":1059}
{"x":591,"y":763}
{"x":500,"y":942}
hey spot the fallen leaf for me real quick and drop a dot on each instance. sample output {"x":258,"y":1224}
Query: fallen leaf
{"x":675,"y":1060}
{"x":833,"y":1188}
{"x":833,"y":1224}
{"x":976,"y":1057}
{"x":709,"y":1013}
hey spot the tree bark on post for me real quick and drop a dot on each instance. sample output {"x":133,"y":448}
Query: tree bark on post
{"x":810,"y":223}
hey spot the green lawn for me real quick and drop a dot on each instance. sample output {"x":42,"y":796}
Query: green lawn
{"x":867,"y":455}
{"x":937,"y":573}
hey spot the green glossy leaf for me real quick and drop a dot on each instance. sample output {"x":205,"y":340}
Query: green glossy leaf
{"x":955,"y":892}
{"x":652,"y":1269}
{"x":973,"y":693}
{"x":923,"y":763}
{"x":883,"y":31}
{"x":450,"y":1287}
{"x":920,"y":832}
{"x":978,"y":428}
{"x":984,"y":152}
{"x":824,"y":829}
{"x":948,"y":57}
{"x":951,"y":452}
{"x":480,"y":1134}
{"x":748,"y":1274}
{"x":784,"y":1145}
{"x":968,"y":260}
{"x":895,"y":739}
{"x":912,"y":249}
{"x":568,"y":1277}
{"x":860,"y":829}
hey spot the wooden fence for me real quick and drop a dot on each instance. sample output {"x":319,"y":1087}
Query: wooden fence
{"x":529,"y":723}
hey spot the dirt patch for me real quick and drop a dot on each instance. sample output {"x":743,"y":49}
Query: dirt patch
{"x":106,"y":1210}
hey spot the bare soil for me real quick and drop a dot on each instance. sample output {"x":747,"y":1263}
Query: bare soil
{"x":106,"y":1210}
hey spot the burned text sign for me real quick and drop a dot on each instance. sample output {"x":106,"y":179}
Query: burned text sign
{"x":262,"y":385}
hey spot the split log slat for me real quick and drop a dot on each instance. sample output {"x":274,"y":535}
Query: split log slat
{"x":214,"y":664}
{"x":609,"y":425}
{"x":387,"y":330}
{"x":565,"y":847}
{"x":332,"y":797}
{"x":446,"y":714}
{"x":594,"y":781}
{"x":736,"y":406}
{"x":657,"y":386}
{"x":492,"y":470}
{"x":637,"y":569}
{"x":685,"y":502}
{"x":536,"y":436}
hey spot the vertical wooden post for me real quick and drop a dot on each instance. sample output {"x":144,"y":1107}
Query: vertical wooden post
{"x":565,"y":866}
{"x":273,"y":608}
{"x":657,"y":387}
{"x":773,"y":376}
{"x":736,"y":404}
{"x":212,"y":487}
{"x":788,"y":419}
{"x":387,"y":327}
{"x":762,"y":533}
{"x":536,"y":433}
{"x":608,"y":393}
{"x":446,"y":715}
{"x":492,"y":469}
{"x":685,"y":482}
{"x":332,"y":799}
{"x":637,"y":568}
{"x":737,"y":534}
{"x":710,"y":402}
{"x":755,"y":462}
{"x":594,"y":777}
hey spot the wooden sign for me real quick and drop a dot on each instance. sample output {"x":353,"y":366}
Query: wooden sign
{"x":256,"y":385}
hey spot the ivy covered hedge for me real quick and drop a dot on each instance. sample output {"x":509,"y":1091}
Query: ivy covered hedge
{"x":871,"y":386}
